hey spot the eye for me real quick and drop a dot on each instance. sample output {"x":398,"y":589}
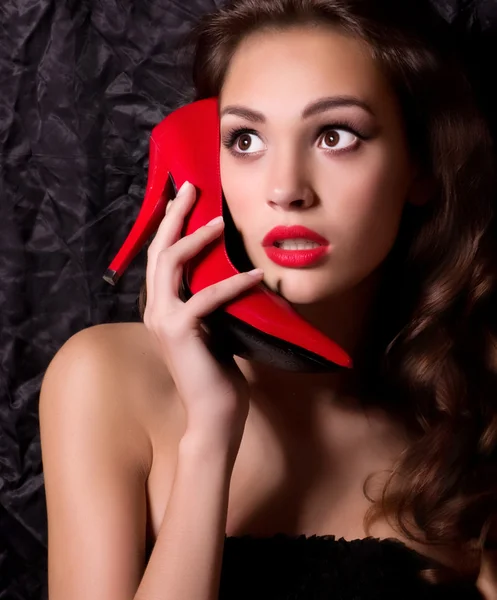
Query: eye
{"x":337,"y":139}
{"x":243,"y":141}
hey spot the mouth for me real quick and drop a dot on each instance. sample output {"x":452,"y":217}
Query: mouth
{"x":296,"y":244}
{"x":295,"y":247}
{"x":294,"y":238}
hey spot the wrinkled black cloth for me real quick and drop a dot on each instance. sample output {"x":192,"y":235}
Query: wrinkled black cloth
{"x":82,"y":83}
{"x":283,"y":567}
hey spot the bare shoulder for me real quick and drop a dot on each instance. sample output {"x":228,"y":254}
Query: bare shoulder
{"x":100,"y":395}
{"x":130,"y":374}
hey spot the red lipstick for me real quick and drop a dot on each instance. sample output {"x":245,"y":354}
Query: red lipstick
{"x":302,"y":257}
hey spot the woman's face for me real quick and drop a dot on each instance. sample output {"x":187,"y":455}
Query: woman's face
{"x":312,"y":136}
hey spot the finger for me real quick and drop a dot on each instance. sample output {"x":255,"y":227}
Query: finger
{"x":170,"y":262}
{"x":168,"y":232}
{"x":170,"y":228}
{"x":210,"y":298}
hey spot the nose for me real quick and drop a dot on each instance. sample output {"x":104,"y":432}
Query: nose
{"x":288,"y":185}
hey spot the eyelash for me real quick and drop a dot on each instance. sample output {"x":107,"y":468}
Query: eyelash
{"x":231,"y":136}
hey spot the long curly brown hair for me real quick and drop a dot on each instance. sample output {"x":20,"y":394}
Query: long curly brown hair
{"x":431,"y":355}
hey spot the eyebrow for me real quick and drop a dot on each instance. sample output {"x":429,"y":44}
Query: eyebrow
{"x":314,"y":108}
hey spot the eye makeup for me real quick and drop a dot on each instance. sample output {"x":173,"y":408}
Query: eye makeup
{"x":230,"y":137}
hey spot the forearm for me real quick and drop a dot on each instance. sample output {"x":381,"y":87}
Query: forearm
{"x":185,"y":563}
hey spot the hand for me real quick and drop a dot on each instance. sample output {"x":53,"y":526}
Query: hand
{"x":215,"y":396}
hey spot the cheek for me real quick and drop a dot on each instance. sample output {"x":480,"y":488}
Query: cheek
{"x":369,"y":202}
{"x":238,"y":188}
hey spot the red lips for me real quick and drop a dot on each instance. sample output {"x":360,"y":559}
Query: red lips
{"x":281,"y":233}
{"x":294,"y":258}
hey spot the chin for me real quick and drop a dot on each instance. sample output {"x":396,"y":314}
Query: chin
{"x":298,"y":289}
{"x":314,"y":286}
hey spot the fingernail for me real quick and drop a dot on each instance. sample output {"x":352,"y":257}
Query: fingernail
{"x":255,"y":272}
{"x":184,"y":187}
{"x":215,"y":221}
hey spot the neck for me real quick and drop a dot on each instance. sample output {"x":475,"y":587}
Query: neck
{"x":345,"y":319}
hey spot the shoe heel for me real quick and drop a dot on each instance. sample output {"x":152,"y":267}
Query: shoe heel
{"x":150,"y":216}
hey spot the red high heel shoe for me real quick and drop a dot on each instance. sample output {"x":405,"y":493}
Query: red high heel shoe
{"x":259,"y":324}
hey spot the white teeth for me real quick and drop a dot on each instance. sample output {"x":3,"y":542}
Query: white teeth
{"x":296,"y":244}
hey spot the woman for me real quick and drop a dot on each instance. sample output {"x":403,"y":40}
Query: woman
{"x":351,"y":118}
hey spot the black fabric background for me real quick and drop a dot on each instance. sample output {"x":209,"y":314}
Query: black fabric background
{"x":82,"y":83}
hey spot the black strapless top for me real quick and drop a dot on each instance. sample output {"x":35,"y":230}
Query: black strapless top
{"x":284,"y":567}
{"x":320,"y":567}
